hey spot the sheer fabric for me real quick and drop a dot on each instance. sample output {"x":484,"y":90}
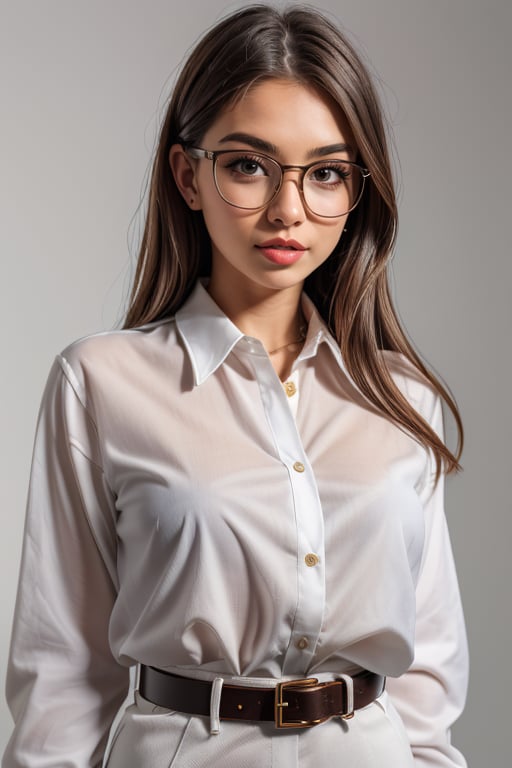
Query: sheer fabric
{"x":188,"y":511}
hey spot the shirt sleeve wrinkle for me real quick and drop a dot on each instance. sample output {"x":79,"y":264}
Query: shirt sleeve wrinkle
{"x":80,"y":395}
{"x":88,"y":444}
{"x":427,"y":403}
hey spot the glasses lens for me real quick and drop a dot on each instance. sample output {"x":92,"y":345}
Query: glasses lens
{"x":246,"y":179}
{"x":332,"y":188}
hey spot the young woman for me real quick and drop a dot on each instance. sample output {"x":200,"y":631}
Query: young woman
{"x":241,"y":491}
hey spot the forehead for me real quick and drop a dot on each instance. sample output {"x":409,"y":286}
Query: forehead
{"x":292,"y":117}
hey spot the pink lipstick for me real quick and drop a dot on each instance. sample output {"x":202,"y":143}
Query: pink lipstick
{"x":282,"y":252}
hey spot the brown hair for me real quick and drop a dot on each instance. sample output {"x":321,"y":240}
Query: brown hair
{"x":350,"y":290}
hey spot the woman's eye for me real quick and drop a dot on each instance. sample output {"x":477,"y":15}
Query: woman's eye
{"x":327,"y":174}
{"x":250,"y":167}
{"x":247,"y":166}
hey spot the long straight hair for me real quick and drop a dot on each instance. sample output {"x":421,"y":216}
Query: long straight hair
{"x":350,"y":289}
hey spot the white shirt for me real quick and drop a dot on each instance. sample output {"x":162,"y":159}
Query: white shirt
{"x":186,"y":512}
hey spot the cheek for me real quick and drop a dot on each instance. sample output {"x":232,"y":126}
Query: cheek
{"x":206,"y":188}
{"x":224,"y":221}
{"x":332,"y":236}
{"x":216,"y":217}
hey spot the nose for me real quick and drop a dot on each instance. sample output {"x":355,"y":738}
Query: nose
{"x":287,"y":207}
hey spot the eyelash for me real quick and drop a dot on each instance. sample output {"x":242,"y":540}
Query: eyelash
{"x":246,"y":159}
{"x":344,"y":175}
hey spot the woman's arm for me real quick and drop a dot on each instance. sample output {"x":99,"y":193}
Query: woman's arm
{"x":63,"y":685}
{"x":431,"y":695}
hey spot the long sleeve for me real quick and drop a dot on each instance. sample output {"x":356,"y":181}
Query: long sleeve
{"x":63,"y":684}
{"x":431,"y":695}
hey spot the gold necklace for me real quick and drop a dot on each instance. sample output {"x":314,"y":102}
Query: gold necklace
{"x":294,"y":343}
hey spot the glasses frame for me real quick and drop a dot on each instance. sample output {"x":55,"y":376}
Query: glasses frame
{"x":209,"y":154}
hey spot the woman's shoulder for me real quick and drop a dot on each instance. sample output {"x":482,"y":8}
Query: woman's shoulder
{"x":119,"y":351}
{"x":118,"y":340}
{"x":412,"y":383}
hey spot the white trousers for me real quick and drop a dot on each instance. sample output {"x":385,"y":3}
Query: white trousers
{"x":153,"y":737}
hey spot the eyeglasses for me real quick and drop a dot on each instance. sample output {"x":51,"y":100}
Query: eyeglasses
{"x":251,"y":180}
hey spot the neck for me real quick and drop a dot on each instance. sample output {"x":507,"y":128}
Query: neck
{"x":275,"y":318}
{"x":272,"y":316}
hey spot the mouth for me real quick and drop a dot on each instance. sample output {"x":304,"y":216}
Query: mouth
{"x":282,"y":252}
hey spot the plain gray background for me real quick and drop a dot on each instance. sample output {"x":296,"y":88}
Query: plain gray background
{"x":83,"y":83}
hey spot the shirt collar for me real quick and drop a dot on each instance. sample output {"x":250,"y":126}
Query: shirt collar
{"x":209,"y":335}
{"x":318,"y":333}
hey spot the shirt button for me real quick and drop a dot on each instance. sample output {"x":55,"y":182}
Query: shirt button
{"x":298,"y":466}
{"x":302,"y":643}
{"x":290,"y":388}
{"x":311,"y":559}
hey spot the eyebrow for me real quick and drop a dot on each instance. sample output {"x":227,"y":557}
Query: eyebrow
{"x":271,"y":149}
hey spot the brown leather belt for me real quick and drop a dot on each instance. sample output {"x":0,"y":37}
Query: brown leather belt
{"x":291,"y":704}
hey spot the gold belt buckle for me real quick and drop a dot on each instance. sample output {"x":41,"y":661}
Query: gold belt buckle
{"x":280,"y":704}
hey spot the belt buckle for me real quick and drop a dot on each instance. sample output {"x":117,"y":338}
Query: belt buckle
{"x":280,"y":703}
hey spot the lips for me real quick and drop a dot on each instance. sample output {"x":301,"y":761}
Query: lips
{"x":282,"y":252}
{"x":279,"y":242}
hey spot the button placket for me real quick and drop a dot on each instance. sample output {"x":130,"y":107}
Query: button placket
{"x":310,"y":582}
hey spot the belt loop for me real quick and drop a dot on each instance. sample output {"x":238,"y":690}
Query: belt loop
{"x":215,"y":705}
{"x":349,"y":687}
{"x":136,"y":681}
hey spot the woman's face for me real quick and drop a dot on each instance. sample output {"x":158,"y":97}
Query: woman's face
{"x":251,"y":249}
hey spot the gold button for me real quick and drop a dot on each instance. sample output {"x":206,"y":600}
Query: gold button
{"x":290,"y":388}
{"x":311,"y":559}
{"x":298,"y":466}
{"x":302,"y":643}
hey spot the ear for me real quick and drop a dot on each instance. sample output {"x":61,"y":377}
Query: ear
{"x":183,"y":169}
